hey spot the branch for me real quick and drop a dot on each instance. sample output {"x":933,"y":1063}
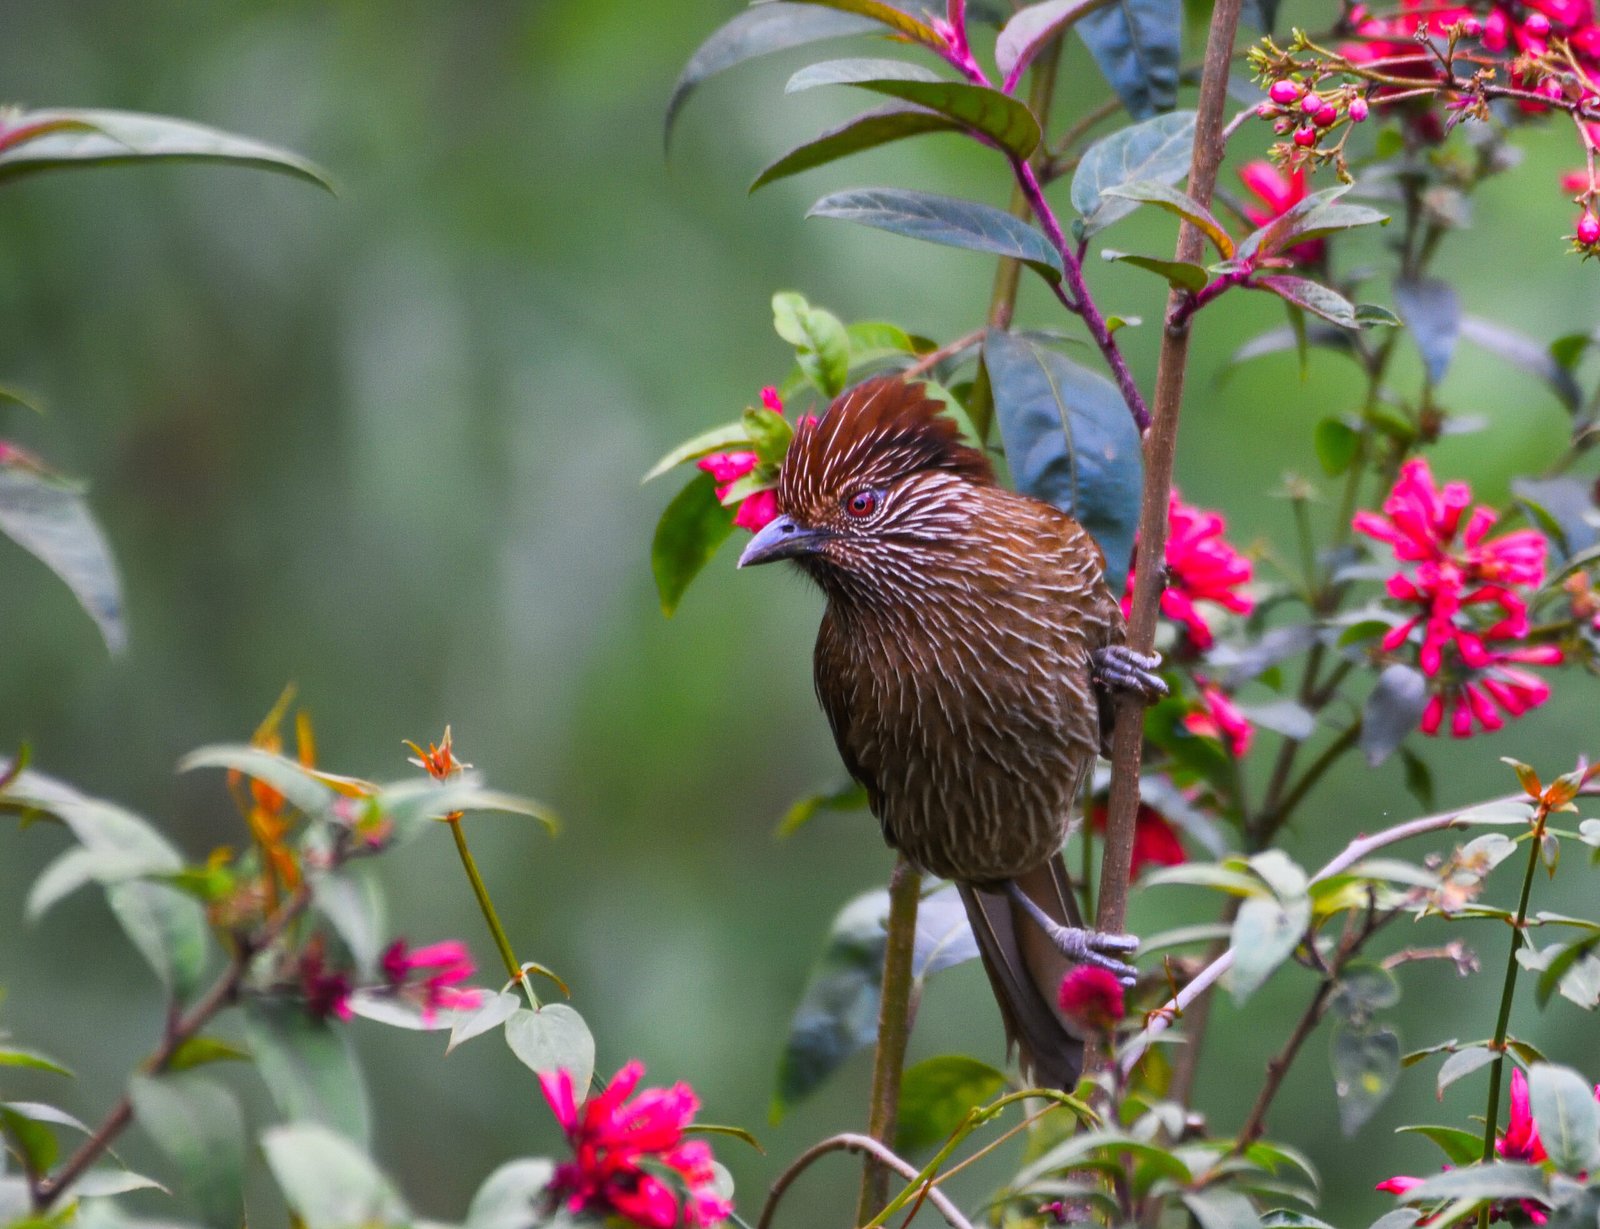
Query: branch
{"x":851,"y":1142}
{"x":222,"y":992}
{"x":1160,"y":448}
{"x":1278,"y":1067}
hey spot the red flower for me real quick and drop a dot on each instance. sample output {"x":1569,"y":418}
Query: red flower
{"x":1472,"y":593}
{"x":1521,"y":1139}
{"x":327,"y":990}
{"x":1220,"y":718}
{"x":1201,"y":567}
{"x":1155,"y":841}
{"x":443,"y":965}
{"x":1278,"y":193}
{"x":612,"y":1144}
{"x":1092,"y":998}
{"x":726,"y":468}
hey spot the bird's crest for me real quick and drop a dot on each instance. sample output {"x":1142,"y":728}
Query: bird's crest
{"x":875,"y":433}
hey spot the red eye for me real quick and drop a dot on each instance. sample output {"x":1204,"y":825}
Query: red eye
{"x":862,"y":503}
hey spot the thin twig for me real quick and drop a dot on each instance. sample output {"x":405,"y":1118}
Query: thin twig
{"x":1278,"y":1067}
{"x":852,"y":1142}
{"x":933,"y":358}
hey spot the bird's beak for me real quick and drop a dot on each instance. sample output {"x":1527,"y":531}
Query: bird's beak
{"x":781,"y":538}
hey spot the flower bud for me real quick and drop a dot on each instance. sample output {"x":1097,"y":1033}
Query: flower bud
{"x":1282,"y":126}
{"x":1285,"y":92}
{"x":1537,"y":24}
{"x":1471,"y":27}
{"x":1358,"y":110}
{"x":1305,"y":136}
{"x":1588,"y":229}
{"x":1266,"y":110}
{"x":1326,"y":118}
{"x":1311,"y":104}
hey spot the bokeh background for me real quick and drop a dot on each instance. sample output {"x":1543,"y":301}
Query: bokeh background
{"x":388,"y":445}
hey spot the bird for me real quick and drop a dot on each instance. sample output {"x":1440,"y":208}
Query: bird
{"x":965,"y":662}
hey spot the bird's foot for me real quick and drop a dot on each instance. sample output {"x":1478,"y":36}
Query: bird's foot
{"x":1078,"y":943}
{"x":1119,"y":668}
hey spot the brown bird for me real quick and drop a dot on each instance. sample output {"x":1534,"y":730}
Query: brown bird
{"x":963,"y":662}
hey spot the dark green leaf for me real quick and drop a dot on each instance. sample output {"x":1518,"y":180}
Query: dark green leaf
{"x":1030,"y":30}
{"x":1400,"y":1218}
{"x":512,"y":1197}
{"x":1495,"y":1181}
{"x":1460,"y":1147}
{"x":33,"y":1142}
{"x":308,"y":1068}
{"x":1265,"y":934}
{"x":197,"y":1123}
{"x":1563,"y":1105}
{"x":105,"y":138}
{"x":822,"y":348}
{"x":729,"y":435}
{"x":946,"y":220}
{"x":1366,"y":1063}
{"x":898,"y":20}
{"x":759,"y":31}
{"x":329,"y":1182}
{"x":1164,"y":196}
{"x":1178,"y":273}
{"x":1564,"y":507}
{"x":847,"y":797}
{"x":1337,"y":444}
{"x":1219,"y":1208}
{"x":553,"y":1038}
{"x":1312,"y":297}
{"x":860,"y":70}
{"x":1136,"y":44}
{"x":1392,"y":711}
{"x":1371,"y":315}
{"x":1461,"y":1064}
{"x":1310,"y":218}
{"x":50,"y":519}
{"x":1069,"y":440}
{"x":691,"y":529}
{"x":937,"y":1094}
{"x":197,"y":1051}
{"x":867,"y":131}
{"x":1523,"y":352}
{"x":1431,"y":309}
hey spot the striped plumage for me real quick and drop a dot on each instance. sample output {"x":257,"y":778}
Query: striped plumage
{"x":954,"y":666}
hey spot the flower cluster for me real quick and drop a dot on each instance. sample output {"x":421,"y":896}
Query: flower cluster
{"x":621,"y":1150}
{"x":1201,"y":568}
{"x":727,"y":468}
{"x":1304,"y":115}
{"x":431,"y":976}
{"x":1469,"y":592}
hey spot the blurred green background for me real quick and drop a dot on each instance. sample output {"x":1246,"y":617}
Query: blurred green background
{"x":388,"y":445}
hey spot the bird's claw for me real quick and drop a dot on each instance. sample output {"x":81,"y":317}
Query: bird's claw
{"x":1097,"y":948}
{"x":1122,"y":669}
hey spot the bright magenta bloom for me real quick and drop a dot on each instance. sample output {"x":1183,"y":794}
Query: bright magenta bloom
{"x":1092,"y":998}
{"x":443,"y":967}
{"x":1521,"y":1139}
{"x":1278,"y":193}
{"x":726,"y":468}
{"x":616,"y":1146}
{"x":327,"y":989}
{"x":1220,"y":718}
{"x":1201,"y":567}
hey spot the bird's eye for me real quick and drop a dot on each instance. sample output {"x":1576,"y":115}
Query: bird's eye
{"x":862,"y":503}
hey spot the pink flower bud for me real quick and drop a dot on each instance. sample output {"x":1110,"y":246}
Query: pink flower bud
{"x":1537,"y":24}
{"x":1305,"y":136}
{"x":1471,"y":27}
{"x":1358,"y":110}
{"x":1312,"y":103}
{"x":1282,"y":126}
{"x":1285,"y":92}
{"x":1588,"y":229}
{"x":1266,"y":110}
{"x":1326,"y":118}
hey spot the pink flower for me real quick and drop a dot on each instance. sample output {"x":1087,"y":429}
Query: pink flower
{"x":1092,"y":998}
{"x":726,"y":468}
{"x":756,"y":510}
{"x":1521,"y":1139}
{"x":1220,"y":718}
{"x":613,"y":1142}
{"x":1155,"y":841}
{"x":1279,"y":193}
{"x":1399,"y":1185}
{"x":327,"y":990}
{"x":1201,"y":567}
{"x":443,"y":967}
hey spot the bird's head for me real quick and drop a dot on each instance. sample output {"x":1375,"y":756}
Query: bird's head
{"x":878,"y":486}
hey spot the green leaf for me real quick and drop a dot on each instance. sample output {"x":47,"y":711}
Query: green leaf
{"x":13,"y":1056}
{"x":1391,"y":712}
{"x":1136,"y":44}
{"x":1220,"y":1208}
{"x":1164,"y":196}
{"x":868,"y":131}
{"x":822,"y":347}
{"x":494,"y":1012}
{"x":1366,"y":1064}
{"x":50,"y":519}
{"x":197,"y":1124}
{"x":1156,"y":151}
{"x":197,"y":1051}
{"x":1495,"y":1181}
{"x":553,"y":1038}
{"x":329,"y":1182}
{"x":945,"y":220}
{"x":512,"y":1197}
{"x":297,"y":783}
{"x":34,"y":1142}
{"x":1069,"y":440}
{"x":1265,"y":934}
{"x":1460,"y":1147}
{"x":978,"y":108}
{"x":898,"y":20}
{"x":1461,"y":1064}
{"x":1030,"y":30}
{"x":758,"y":31}
{"x":1363,"y":989}
{"x":1337,"y":444}
{"x":412,"y":806}
{"x":352,"y":901}
{"x":1526,"y":354}
{"x":1563,"y":1105}
{"x":1313,"y":217}
{"x":1178,"y":273}
{"x":691,"y":529}
{"x":850,"y":796}
{"x":99,"y":1183}
{"x":718,"y":439}
{"x":1310,"y":296}
{"x":1431,"y":310}
{"x":937,"y":1094}
{"x":108,"y":138}
{"x":307,"y":1068}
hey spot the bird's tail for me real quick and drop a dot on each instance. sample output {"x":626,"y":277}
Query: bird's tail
{"x":1025,"y":970}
